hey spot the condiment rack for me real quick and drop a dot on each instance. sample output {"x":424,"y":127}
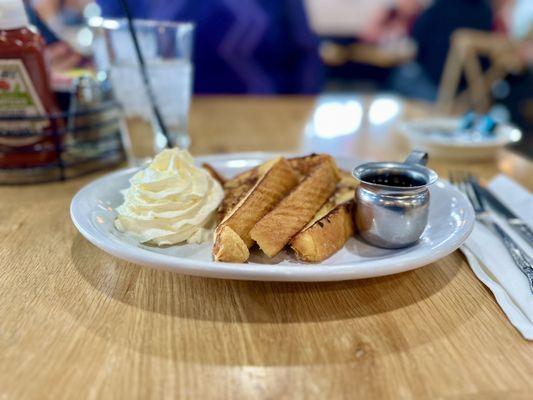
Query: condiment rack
{"x":59,"y":146}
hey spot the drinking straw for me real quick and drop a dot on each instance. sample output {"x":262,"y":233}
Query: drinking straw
{"x":144,"y":72}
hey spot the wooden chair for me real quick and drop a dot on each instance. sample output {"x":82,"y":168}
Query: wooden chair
{"x":334,"y":54}
{"x":466,"y":50}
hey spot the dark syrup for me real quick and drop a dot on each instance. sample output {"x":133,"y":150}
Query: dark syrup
{"x":397,"y":180}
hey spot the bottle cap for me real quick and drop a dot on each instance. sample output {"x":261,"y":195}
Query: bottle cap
{"x":13,"y":14}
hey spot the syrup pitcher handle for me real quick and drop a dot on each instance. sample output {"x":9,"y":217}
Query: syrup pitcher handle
{"x":417,"y":157}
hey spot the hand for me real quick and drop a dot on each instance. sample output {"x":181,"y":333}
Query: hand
{"x":62,"y":57}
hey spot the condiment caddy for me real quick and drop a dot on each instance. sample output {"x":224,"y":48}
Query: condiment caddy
{"x":47,"y":136}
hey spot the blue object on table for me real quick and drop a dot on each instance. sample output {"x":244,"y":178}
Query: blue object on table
{"x":468,"y":121}
{"x":476,"y":126}
{"x":487,"y":125}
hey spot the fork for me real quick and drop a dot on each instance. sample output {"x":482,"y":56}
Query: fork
{"x":468,"y":184}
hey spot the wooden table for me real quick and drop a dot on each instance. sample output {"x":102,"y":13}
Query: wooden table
{"x":77,"y":323}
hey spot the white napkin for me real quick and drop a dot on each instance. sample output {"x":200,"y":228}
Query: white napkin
{"x":493,"y":265}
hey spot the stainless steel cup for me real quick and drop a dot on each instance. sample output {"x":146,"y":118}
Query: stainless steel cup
{"x":392,"y":200}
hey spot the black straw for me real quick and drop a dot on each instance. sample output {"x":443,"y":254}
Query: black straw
{"x":144,"y":72}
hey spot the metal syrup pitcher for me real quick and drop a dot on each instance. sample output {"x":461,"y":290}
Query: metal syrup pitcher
{"x":392,"y":200}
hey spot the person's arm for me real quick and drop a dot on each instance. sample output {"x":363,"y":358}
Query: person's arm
{"x":49,"y":36}
{"x":60,"y":55}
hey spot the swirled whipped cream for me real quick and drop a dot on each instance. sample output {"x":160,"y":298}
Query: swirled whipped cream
{"x":169,"y":202}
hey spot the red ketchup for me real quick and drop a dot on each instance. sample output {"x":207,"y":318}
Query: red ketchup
{"x":24,"y":91}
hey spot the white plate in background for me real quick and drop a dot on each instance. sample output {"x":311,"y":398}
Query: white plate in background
{"x":453,"y":147}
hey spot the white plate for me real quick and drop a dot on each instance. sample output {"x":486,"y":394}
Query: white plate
{"x":92,"y":210}
{"x":455,"y":148}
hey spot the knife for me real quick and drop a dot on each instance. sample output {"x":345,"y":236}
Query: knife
{"x":514,"y":221}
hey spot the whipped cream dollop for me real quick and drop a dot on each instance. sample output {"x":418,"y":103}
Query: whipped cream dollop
{"x":171,"y":201}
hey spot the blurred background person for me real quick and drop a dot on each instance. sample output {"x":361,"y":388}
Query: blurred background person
{"x":61,"y":14}
{"x":277,"y":47}
{"x":242,"y":46}
{"x":363,"y":41}
{"x":48,"y":17}
{"x":432,"y":31}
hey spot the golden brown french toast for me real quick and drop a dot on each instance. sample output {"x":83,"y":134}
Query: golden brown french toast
{"x":272,"y":186}
{"x":325,"y":236}
{"x":234,"y":192}
{"x":236,"y":187}
{"x":277,"y":227}
{"x":341,"y":195}
{"x":331,"y":226}
{"x":304,"y":164}
{"x":301,"y":165}
{"x":229,"y":247}
{"x":347,"y":180}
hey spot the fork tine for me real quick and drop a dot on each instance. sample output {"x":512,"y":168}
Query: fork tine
{"x":451,"y":177}
{"x":461,"y":180}
{"x":455,"y":179}
{"x":470,"y":191}
{"x":474,"y":183}
{"x":474,"y":196}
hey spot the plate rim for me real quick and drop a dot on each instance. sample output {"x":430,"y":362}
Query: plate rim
{"x":406,"y":129}
{"x":268,"y":272}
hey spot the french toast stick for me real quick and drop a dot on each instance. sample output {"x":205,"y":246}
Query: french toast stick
{"x":331,"y":226}
{"x":229,"y":247}
{"x":237,"y":187}
{"x":292,"y":213}
{"x":269,"y":189}
{"x":325,"y":236}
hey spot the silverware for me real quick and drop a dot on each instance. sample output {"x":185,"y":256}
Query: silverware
{"x":467,"y":183}
{"x":514,"y":221}
{"x":392,"y":201}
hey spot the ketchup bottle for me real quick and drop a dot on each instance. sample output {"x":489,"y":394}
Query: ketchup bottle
{"x":24,"y":91}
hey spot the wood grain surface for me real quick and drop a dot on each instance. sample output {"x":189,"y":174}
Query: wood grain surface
{"x":76,"y":323}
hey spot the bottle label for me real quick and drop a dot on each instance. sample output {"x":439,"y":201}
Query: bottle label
{"x":18,"y":97}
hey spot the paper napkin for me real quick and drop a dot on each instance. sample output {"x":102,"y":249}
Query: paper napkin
{"x":493,"y":265}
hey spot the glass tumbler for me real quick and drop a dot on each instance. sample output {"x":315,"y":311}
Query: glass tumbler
{"x":166,"y":48}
